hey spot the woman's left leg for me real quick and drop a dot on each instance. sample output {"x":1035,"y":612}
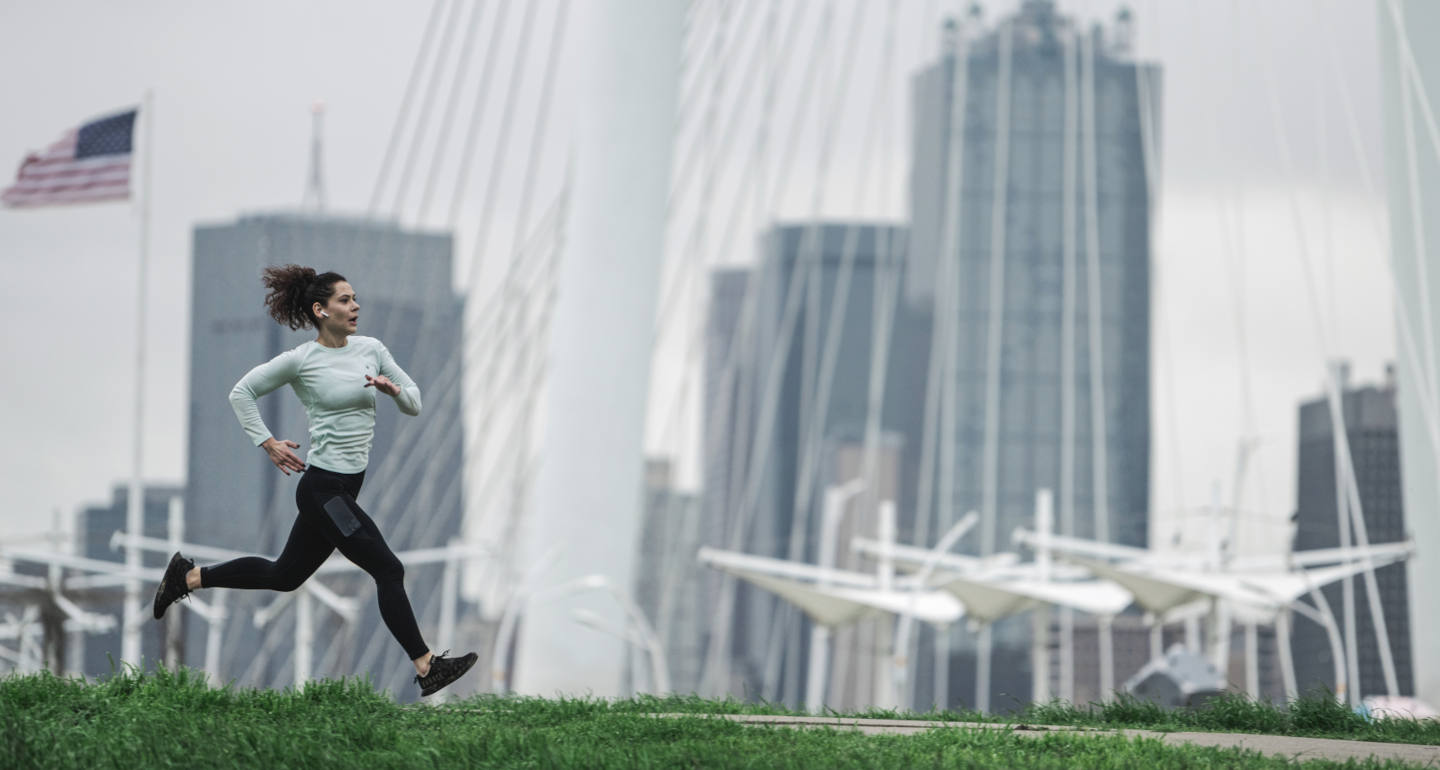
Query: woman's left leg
{"x":366,"y":547}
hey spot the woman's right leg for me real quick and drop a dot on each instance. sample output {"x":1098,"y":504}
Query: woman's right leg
{"x":304,"y":552}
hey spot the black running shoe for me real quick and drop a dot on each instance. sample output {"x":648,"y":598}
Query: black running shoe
{"x":172,"y":585}
{"x":443,"y":671}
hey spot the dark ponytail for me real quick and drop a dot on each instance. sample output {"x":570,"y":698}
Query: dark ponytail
{"x":294,"y":290}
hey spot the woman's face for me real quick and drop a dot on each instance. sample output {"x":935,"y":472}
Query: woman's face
{"x":343,"y":309}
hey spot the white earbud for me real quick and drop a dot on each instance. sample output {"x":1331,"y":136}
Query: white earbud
{"x":322,"y":312}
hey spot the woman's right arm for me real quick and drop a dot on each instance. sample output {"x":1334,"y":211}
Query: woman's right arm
{"x":263,"y":379}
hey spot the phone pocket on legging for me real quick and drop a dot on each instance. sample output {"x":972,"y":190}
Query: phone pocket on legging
{"x":340,"y":513}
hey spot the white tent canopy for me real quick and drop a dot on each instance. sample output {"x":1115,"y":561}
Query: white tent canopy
{"x":987,"y":598}
{"x":1162,"y":589}
{"x":997,"y":586}
{"x":834,"y":597}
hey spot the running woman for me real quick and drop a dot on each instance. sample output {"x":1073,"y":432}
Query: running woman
{"x":336,"y":377}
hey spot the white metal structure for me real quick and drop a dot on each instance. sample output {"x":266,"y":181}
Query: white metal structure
{"x":1410,"y":98}
{"x":832,"y":597}
{"x":648,"y":642}
{"x":900,"y":663}
{"x":95,"y":573}
{"x":509,"y":619}
{"x":832,"y":509}
{"x":1170,"y":586}
{"x":1162,"y":582}
{"x":135,"y":505}
{"x":523,"y":600}
{"x":588,"y":485}
{"x":998,"y":587}
{"x":25,"y":630}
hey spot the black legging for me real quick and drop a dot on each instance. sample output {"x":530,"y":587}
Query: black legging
{"x":329,"y":519}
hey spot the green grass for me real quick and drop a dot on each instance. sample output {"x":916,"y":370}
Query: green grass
{"x":1317,"y":715}
{"x":164,"y":719}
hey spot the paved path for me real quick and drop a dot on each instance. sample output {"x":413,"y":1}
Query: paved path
{"x":1279,"y":745}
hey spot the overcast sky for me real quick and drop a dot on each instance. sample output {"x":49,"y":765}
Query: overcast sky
{"x":233,"y":85}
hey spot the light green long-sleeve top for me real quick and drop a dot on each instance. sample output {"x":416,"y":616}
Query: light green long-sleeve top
{"x":331,"y":384}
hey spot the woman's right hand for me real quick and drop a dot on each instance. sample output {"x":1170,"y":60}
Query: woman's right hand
{"x":281,"y":455}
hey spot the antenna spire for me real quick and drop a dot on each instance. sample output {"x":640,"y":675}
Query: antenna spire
{"x":315,"y":186}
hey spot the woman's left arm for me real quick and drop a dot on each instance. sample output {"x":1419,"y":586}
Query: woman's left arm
{"x":403,"y":389}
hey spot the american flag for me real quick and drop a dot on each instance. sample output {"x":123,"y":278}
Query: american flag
{"x":87,"y":164}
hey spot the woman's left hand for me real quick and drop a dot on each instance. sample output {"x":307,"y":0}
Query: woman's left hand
{"x":382,"y":384}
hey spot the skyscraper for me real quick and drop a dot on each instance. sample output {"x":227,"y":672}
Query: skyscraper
{"x":1031,"y":247}
{"x":728,"y":364}
{"x":825,"y":315}
{"x":1370,"y":426}
{"x":1410,"y":92}
{"x":667,"y":577}
{"x":236,"y":499}
{"x":726,"y":427}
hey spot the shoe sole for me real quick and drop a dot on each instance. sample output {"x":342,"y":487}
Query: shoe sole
{"x":424,"y":692}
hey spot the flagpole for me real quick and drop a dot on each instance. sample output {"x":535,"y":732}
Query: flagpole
{"x":134,"y":518}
